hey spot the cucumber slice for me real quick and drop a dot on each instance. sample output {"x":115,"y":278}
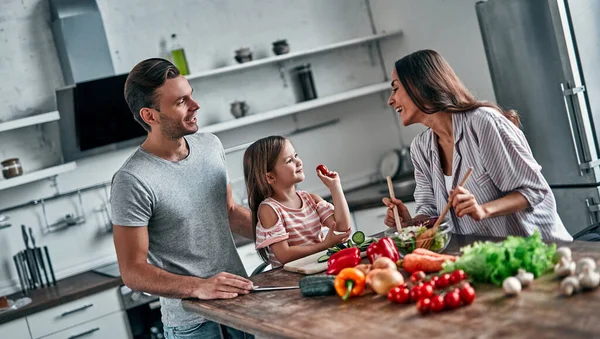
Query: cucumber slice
{"x":358,"y":237}
{"x":349,"y":244}
{"x":323,"y":258}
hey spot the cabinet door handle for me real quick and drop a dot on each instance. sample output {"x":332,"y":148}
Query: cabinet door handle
{"x":84,"y":307}
{"x":84,"y":333}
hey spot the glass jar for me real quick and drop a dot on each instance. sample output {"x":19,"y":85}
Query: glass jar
{"x":11,"y":168}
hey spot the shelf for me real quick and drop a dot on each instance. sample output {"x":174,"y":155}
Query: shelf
{"x":29,"y":121}
{"x":37,"y":175}
{"x":303,"y":106}
{"x":291,"y":55}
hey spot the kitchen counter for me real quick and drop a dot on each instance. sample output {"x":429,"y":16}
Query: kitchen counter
{"x":538,"y":311}
{"x":66,"y":290}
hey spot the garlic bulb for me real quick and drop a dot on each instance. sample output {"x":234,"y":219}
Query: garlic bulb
{"x":569,"y":286}
{"x":585,"y":262}
{"x":589,"y":278}
{"x":511,"y":286}
{"x":562,"y":252}
{"x":564,"y":268}
{"x":524,"y":277}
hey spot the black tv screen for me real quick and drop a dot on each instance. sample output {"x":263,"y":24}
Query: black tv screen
{"x":102,"y":116}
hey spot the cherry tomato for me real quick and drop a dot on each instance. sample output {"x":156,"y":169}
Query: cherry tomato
{"x":424,"y":305}
{"x":467,"y":294}
{"x":415,"y":292}
{"x":443,"y":281}
{"x":417,"y":276}
{"x":426,"y":291}
{"x":457,"y":276}
{"x":437,"y":303}
{"x":324,"y":170}
{"x":452,"y":300}
{"x":433,"y":281}
{"x":400,"y":295}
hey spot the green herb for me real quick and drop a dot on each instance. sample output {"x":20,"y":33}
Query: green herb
{"x":493,"y":262}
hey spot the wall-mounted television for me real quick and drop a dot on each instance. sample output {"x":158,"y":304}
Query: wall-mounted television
{"x":94,"y":118}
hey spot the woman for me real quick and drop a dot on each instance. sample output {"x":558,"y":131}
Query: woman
{"x":506,"y":193}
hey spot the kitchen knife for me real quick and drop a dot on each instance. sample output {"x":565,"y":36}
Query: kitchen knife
{"x":273,"y":288}
{"x":35,"y":258}
{"x":24,"y":270}
{"x":38,"y":252}
{"x":19,"y":274}
{"x":50,"y":265}
{"x":30,"y":259}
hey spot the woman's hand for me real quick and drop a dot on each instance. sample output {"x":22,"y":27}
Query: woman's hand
{"x":332,"y":181}
{"x":464,"y":203}
{"x":402,"y":211}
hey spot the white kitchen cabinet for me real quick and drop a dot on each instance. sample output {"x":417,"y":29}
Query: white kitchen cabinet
{"x":250,"y":258}
{"x":16,"y":329}
{"x":74,"y":313}
{"x":112,"y":326}
{"x":371,"y":221}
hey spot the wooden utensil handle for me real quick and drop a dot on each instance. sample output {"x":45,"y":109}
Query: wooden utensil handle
{"x":395,"y":209}
{"x":449,"y":204}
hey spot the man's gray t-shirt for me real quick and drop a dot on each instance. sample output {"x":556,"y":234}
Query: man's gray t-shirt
{"x":184,"y":205}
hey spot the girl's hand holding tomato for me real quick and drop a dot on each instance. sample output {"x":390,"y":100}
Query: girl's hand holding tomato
{"x":329,"y":178}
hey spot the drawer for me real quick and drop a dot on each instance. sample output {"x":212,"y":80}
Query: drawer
{"x":74,"y":313}
{"x":15,"y":329}
{"x":370,"y":221}
{"x":112,"y":326}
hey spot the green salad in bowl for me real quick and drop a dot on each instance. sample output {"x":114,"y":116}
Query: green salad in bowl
{"x":406,"y":240}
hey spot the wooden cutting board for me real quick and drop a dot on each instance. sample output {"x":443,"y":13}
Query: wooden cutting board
{"x":309,"y":264}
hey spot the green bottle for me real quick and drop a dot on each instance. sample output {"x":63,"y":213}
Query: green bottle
{"x":179,"y":56}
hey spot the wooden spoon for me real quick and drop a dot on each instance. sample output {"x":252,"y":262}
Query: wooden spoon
{"x":395,"y":208}
{"x":426,"y":238}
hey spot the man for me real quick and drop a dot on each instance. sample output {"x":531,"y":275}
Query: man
{"x":172,"y":206}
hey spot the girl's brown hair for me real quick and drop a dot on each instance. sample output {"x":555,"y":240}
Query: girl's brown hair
{"x":434,"y":87}
{"x":259,"y":159}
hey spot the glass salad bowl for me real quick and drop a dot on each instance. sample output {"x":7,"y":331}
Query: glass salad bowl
{"x":406,"y":240}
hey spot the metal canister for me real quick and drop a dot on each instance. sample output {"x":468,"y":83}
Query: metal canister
{"x":306,"y":82}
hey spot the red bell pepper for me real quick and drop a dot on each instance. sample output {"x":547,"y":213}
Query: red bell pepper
{"x":385,"y":247}
{"x":348,"y":257}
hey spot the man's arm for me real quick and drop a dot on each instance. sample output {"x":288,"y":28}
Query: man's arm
{"x":131,"y":244}
{"x":240,"y":217}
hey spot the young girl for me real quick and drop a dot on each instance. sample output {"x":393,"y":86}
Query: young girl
{"x":287,"y":222}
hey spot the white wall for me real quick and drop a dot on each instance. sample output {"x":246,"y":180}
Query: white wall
{"x":447,"y":26}
{"x":210,"y":31}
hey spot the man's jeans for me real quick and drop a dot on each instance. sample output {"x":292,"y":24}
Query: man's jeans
{"x":205,"y":330}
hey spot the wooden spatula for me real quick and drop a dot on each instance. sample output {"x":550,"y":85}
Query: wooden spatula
{"x":425,"y":239}
{"x":395,"y":209}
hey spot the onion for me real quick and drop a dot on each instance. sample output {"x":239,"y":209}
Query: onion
{"x":385,"y":263}
{"x":382,"y":281}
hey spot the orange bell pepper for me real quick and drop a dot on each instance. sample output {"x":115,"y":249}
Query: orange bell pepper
{"x":350,"y":282}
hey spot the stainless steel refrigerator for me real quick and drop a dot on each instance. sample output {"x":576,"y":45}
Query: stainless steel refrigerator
{"x":544,"y":58}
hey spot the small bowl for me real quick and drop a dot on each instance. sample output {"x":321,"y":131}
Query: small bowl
{"x":407,"y":243}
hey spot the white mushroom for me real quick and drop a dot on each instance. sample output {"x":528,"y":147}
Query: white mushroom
{"x":564,"y":268}
{"x":511,"y":286}
{"x":524,"y":277}
{"x":569,"y":286}
{"x":585,"y":262}
{"x":562,"y":252}
{"x":589,"y":278}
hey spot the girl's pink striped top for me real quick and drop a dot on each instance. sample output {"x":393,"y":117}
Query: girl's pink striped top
{"x":299,"y":226}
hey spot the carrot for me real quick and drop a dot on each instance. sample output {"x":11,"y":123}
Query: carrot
{"x":433,"y":254}
{"x":419,"y":262}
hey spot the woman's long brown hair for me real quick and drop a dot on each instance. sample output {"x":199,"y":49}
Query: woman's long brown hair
{"x":259,"y":159}
{"x":434,"y":87}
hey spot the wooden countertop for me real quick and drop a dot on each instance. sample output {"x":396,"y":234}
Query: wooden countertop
{"x":66,"y":290}
{"x":538,"y":311}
